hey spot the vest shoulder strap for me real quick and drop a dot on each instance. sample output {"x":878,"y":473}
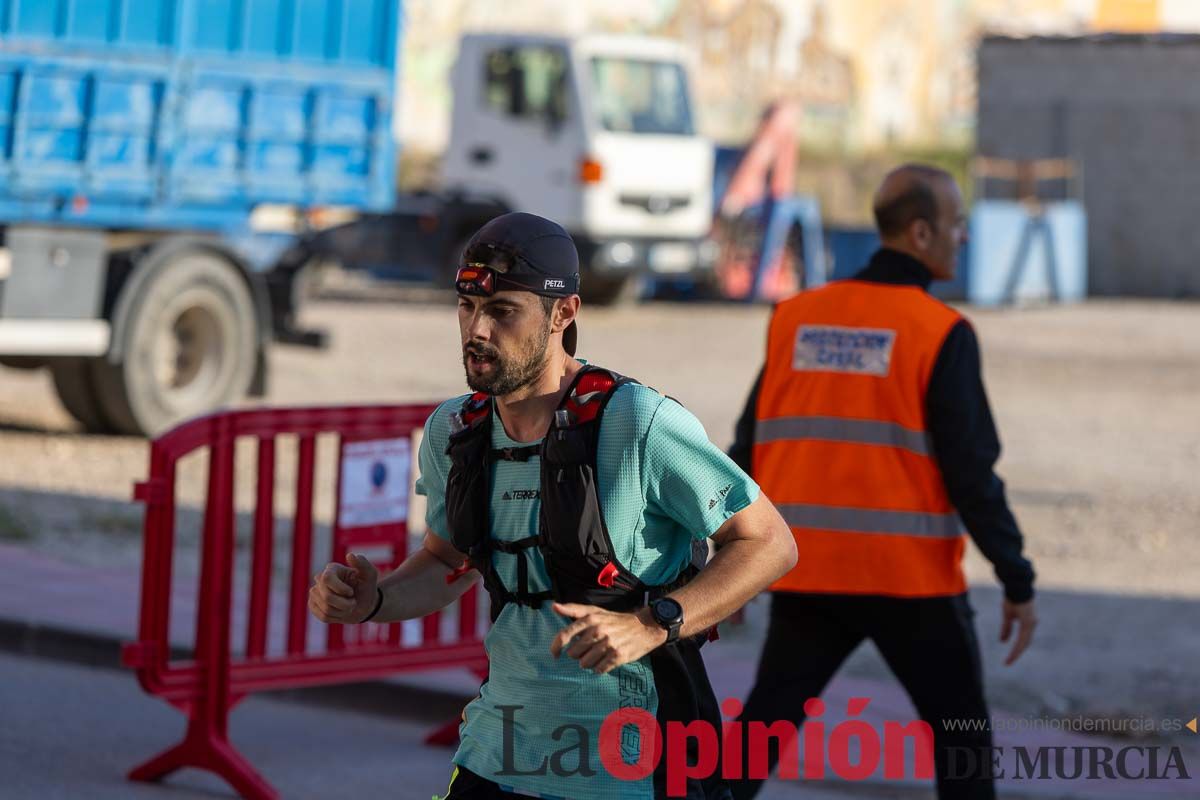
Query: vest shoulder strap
{"x":584,"y":401}
{"x":476,"y":407}
{"x":590,"y":393}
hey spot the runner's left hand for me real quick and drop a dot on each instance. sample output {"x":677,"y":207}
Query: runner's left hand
{"x":604,"y":640}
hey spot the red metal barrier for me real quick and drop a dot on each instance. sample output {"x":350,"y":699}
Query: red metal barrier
{"x":207,"y":686}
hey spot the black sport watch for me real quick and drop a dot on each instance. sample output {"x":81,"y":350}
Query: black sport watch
{"x":668,"y":615}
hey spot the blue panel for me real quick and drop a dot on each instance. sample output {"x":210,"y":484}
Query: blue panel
{"x":1019,"y":256}
{"x":8,"y":97}
{"x":8,"y":91}
{"x":339,"y":160}
{"x":281,"y":160}
{"x":119,"y":151}
{"x":278,"y":114}
{"x":212,"y":21}
{"x":352,"y":32}
{"x":149,"y":22}
{"x":312,"y":24}
{"x":123,"y":187}
{"x":209,"y":155}
{"x":123,"y":104}
{"x":36,"y":17}
{"x":214,"y":108}
{"x":62,"y":144}
{"x":262,"y":27}
{"x":55,"y":99}
{"x":344,"y":117}
{"x":391,"y":28}
{"x":362,"y":37}
{"x":89,"y":19}
{"x":204,"y":188}
{"x":187,"y":133}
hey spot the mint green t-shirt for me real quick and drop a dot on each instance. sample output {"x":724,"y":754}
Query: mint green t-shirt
{"x":662,"y":484}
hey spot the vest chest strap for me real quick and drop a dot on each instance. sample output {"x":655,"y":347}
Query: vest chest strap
{"x":515,"y":453}
{"x":516,"y":546}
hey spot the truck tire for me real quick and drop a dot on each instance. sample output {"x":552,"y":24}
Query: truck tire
{"x":77,"y":392}
{"x":190,"y":345}
{"x":22,"y":362}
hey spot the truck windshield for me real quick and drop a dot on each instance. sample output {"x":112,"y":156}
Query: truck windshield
{"x":633,"y":96}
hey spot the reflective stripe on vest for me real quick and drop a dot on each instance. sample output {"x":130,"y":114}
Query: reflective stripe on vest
{"x":839,"y":429}
{"x":842,"y":447}
{"x":871,"y":520}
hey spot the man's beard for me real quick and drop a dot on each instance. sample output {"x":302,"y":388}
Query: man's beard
{"x":508,"y":374}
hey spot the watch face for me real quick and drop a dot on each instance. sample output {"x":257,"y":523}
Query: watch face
{"x":667,"y":610}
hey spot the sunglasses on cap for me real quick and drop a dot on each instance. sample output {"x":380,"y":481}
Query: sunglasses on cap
{"x":486,"y":270}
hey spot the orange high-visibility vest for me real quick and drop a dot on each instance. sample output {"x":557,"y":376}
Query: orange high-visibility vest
{"x":842,"y":445}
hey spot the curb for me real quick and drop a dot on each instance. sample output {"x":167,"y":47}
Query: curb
{"x":386,"y":698}
{"x":85,"y":648}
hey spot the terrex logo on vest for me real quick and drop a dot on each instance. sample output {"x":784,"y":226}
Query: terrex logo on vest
{"x":554,"y":284}
{"x":833,"y":348}
{"x":522,"y":494}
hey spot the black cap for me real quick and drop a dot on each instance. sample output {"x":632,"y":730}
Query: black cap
{"x":536,"y":246}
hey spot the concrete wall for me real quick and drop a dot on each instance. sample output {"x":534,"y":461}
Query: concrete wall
{"x":1127,"y":108}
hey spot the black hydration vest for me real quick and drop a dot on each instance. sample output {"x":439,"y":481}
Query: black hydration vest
{"x":572,"y":536}
{"x":575,"y":545}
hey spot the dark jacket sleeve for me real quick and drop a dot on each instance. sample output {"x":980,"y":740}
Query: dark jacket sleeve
{"x":742,"y":449}
{"x":966,"y":446}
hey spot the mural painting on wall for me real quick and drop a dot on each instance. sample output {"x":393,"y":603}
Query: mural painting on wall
{"x":737,"y":46}
{"x":867,"y":73}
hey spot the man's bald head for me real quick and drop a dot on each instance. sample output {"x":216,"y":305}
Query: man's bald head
{"x":918,"y":211}
{"x":907,"y":194}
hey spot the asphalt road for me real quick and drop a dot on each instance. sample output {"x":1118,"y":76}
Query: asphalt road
{"x":71,"y":732}
{"x":1096,"y":406}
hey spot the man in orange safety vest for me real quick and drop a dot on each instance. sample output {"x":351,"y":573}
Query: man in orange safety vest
{"x":869,"y":428}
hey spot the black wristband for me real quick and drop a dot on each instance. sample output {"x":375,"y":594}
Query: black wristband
{"x":375,"y":610}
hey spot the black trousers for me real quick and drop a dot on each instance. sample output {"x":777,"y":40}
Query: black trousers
{"x":469,"y":786}
{"x":930,"y":646}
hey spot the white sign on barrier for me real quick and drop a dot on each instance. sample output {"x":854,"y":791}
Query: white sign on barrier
{"x":374,"y":488}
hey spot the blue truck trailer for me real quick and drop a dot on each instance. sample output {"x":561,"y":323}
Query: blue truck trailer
{"x":139,"y":142}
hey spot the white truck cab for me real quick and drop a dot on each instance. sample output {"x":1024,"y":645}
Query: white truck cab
{"x":594,"y":132}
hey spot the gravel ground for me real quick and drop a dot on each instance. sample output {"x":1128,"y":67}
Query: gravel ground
{"x":1096,"y":405}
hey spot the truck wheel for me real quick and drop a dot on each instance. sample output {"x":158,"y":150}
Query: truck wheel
{"x":22,"y":362}
{"x":190,"y":343}
{"x":618,"y":291}
{"x":77,"y":392}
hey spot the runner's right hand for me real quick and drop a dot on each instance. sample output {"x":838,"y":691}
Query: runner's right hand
{"x":344,"y":593}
